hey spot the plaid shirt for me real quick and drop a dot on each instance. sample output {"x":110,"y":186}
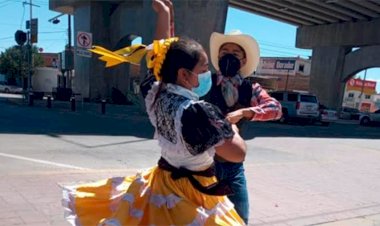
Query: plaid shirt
{"x":265,"y":107}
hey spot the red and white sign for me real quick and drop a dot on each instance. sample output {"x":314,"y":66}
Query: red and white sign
{"x":361,"y":83}
{"x":84,"y":40}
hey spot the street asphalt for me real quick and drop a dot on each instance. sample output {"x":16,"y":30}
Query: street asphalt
{"x":297,"y":174}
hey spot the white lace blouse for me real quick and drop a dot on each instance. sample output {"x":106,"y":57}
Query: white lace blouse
{"x":187,"y":129}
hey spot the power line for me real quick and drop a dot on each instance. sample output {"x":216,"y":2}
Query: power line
{"x":51,"y":32}
{"x":282,"y":46}
{"x":283,"y":52}
{"x":23,"y":14}
{"x":7,"y":2}
{"x":292,"y":51}
{"x":42,"y":2}
{"x":280,"y":53}
{"x":6,"y":38}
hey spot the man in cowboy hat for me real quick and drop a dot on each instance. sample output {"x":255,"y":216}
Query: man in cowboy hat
{"x":235,"y":56}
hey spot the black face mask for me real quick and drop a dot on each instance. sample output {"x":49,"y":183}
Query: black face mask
{"x":229,"y":65}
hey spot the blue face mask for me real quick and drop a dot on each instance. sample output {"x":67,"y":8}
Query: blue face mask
{"x":205,"y":82}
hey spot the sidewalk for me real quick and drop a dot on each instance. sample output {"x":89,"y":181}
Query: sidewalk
{"x":111,"y":110}
{"x":34,"y":199}
{"x":370,"y":220}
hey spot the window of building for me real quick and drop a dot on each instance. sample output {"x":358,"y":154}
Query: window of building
{"x":301,"y":67}
{"x":367,"y":97}
{"x":351,"y":95}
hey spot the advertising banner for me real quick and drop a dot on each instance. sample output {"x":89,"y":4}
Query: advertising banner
{"x":277,"y":67}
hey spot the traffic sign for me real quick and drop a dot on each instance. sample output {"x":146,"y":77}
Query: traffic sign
{"x":32,"y":25}
{"x":84,"y":40}
{"x":83,"y":52}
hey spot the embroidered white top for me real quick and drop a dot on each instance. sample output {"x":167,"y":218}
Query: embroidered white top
{"x":186,"y":140}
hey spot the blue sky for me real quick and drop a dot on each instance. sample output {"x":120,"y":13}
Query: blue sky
{"x":274,"y":38}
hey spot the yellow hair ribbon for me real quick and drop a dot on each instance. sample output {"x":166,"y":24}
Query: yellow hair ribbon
{"x":132,"y":54}
{"x":155,"y":54}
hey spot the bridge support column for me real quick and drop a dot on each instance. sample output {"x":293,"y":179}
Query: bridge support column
{"x":326,"y":73}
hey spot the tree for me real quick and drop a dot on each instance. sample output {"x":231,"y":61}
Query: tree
{"x":14,"y":62}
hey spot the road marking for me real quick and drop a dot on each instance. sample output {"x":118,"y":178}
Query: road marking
{"x":42,"y":161}
{"x":97,"y":172}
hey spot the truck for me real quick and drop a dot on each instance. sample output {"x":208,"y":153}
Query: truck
{"x":44,"y":80}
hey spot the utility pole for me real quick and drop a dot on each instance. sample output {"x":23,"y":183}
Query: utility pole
{"x":66,"y":60}
{"x":287,"y":78}
{"x":30,"y":59}
{"x":69,"y":77}
{"x":32,"y":28}
{"x":362,"y":89}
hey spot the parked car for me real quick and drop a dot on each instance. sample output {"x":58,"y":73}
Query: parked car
{"x":370,"y":118}
{"x":6,"y":88}
{"x":349,"y":113}
{"x":297,"y":105}
{"x":326,"y":116}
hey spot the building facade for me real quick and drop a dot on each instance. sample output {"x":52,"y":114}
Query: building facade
{"x":50,"y":59}
{"x":285,"y":73}
{"x":361,"y":94}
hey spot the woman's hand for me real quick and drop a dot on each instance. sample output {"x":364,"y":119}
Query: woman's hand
{"x":235,"y":116}
{"x":161,"y":6}
{"x":164,"y":9}
{"x":235,"y":128}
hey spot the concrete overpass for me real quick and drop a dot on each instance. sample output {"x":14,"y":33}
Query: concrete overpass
{"x":331,"y":28}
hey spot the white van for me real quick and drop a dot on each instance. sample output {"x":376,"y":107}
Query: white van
{"x":297,"y":105}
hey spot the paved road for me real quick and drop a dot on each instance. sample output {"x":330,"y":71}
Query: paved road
{"x":297,"y":175}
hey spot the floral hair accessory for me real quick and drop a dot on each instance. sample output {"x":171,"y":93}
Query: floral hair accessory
{"x":156,"y":56}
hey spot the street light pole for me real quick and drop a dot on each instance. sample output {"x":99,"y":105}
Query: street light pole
{"x":69,"y":47}
{"x":30,"y":58}
{"x":55,"y":20}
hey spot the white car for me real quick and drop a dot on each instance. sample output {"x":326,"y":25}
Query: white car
{"x":297,"y":106}
{"x":327,"y":116}
{"x":5,"y":88}
{"x":370,"y":118}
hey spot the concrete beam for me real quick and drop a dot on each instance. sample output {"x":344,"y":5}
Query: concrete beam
{"x":319,"y":9}
{"x":268,"y":13}
{"x":336,"y":8}
{"x":353,"y":34}
{"x":313,"y":16}
{"x":326,"y":70}
{"x":63,"y":6}
{"x":363,"y":58}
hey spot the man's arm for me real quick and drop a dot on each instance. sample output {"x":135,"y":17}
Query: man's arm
{"x":264,"y":106}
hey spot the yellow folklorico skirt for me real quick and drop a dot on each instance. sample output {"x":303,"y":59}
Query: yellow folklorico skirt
{"x":148,"y":198}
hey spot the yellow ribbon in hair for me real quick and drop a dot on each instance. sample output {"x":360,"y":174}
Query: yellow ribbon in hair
{"x":131,"y":54}
{"x":155,"y":54}
{"x":155,"y":58}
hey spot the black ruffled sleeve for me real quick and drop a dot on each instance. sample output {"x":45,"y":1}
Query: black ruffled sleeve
{"x":203,"y":126}
{"x":147,"y":83}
